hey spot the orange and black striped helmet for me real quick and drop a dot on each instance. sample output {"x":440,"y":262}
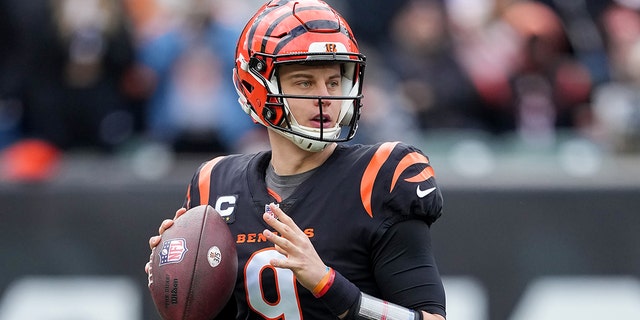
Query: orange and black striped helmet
{"x":303,"y":32}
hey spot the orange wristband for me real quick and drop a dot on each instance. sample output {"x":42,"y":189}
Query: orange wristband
{"x":325,"y":283}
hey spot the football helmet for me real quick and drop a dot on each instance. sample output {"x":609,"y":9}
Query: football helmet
{"x":297,"y":32}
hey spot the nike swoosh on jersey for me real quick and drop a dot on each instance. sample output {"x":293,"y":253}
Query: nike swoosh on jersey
{"x":424,"y":193}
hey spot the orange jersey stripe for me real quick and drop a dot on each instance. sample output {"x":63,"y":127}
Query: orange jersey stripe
{"x":204,"y":180}
{"x":371,"y":172}
{"x":406,"y":162}
{"x":274,"y":195}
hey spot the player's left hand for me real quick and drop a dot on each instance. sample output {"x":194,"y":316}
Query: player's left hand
{"x":301,"y":257}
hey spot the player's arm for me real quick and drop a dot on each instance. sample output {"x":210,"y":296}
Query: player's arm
{"x":406,"y":274}
{"x":405,"y":268}
{"x":341,"y":296}
{"x":403,"y":262}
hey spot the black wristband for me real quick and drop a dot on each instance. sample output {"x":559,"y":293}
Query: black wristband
{"x":353,"y":311}
{"x":341,"y":296}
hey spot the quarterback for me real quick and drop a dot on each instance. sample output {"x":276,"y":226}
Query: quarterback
{"x":323,"y":230}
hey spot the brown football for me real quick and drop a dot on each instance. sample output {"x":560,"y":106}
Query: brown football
{"x":194,"y":267}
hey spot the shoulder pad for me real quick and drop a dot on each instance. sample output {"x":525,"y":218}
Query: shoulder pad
{"x":402,"y":177}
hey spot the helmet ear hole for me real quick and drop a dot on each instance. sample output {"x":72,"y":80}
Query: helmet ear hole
{"x":257,"y":64}
{"x":269,"y":114}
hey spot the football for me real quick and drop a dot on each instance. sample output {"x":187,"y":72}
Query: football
{"x":194,"y":267}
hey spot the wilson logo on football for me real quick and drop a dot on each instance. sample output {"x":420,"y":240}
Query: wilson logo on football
{"x":173,"y":251}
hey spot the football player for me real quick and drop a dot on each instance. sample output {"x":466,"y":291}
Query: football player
{"x":323,"y":230}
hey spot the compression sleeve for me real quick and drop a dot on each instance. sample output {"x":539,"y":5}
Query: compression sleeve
{"x":406,"y":270}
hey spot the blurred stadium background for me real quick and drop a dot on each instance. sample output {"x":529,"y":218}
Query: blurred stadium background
{"x":528,"y":110}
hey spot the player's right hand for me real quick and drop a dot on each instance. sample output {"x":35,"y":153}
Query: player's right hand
{"x":155,"y":240}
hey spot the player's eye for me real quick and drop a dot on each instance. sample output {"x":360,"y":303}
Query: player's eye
{"x":304,"y":84}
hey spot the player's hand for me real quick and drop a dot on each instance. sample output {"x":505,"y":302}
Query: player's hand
{"x":301,"y":257}
{"x":155,"y":240}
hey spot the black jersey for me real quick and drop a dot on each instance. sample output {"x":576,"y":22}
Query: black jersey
{"x":345,"y":207}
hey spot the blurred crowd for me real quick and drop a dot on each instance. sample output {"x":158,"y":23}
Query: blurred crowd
{"x":111,"y":75}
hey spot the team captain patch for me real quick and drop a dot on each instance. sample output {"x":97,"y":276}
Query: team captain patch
{"x":173,"y":251}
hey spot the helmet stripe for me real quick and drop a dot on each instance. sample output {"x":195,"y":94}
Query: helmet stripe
{"x":276,"y":22}
{"x":259,"y":18}
{"x":300,"y":30}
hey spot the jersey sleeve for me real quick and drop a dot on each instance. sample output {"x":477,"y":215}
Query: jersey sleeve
{"x":410,"y":189}
{"x":405,"y":200}
{"x":406,"y":270}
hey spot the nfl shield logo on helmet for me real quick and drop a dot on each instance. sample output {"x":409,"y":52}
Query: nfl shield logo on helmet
{"x":173,"y":251}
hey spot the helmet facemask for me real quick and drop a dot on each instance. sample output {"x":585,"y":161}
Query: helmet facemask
{"x":311,"y":138}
